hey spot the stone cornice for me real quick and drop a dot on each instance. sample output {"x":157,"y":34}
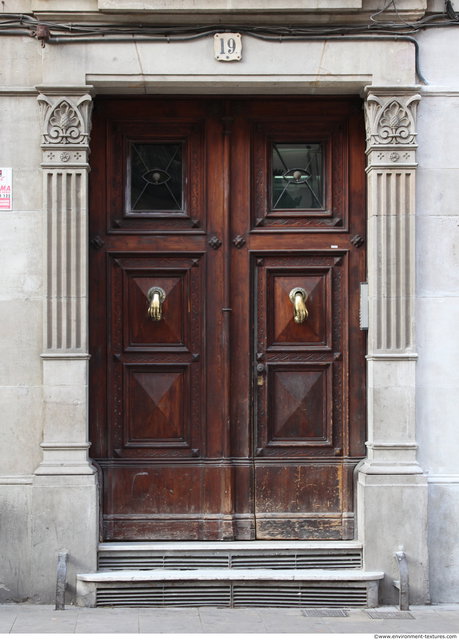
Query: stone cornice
{"x":264,"y":11}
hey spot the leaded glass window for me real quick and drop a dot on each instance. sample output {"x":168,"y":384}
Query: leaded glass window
{"x":297,"y":176}
{"x":156,"y":177}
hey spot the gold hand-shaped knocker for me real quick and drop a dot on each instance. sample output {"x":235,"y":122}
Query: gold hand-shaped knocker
{"x":298,"y":297}
{"x":156,"y":297}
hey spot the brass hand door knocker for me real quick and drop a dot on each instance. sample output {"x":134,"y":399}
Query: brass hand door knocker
{"x":156,"y":297}
{"x":298,"y":297}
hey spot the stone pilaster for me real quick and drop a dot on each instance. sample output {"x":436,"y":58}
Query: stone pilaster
{"x":65,"y":144}
{"x":65,"y":492}
{"x":391,"y":169}
{"x":392,"y":490}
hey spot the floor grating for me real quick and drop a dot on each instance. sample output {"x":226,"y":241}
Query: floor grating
{"x":325,"y":613}
{"x":389,"y":615}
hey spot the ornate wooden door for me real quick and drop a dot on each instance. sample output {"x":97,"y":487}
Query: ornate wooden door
{"x":227,"y":368}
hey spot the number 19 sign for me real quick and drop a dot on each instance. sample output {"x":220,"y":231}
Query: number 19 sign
{"x":228,"y":47}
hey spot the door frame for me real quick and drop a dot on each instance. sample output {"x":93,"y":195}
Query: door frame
{"x":391,"y":466}
{"x":333,"y":268}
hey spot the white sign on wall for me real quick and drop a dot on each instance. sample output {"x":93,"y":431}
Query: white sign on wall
{"x":6,"y":189}
{"x":228,"y":47}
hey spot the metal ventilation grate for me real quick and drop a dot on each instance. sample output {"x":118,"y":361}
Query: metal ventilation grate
{"x":190,"y":594}
{"x":267,"y":560}
{"x":119,"y":561}
{"x":164,"y":595}
{"x":299,"y":595}
{"x":297,"y":561}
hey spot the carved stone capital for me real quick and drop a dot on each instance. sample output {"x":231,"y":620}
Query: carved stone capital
{"x":390,"y":119}
{"x":66,"y":121}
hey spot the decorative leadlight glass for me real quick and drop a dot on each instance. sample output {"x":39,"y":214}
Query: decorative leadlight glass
{"x":156,"y":177}
{"x":297,"y":176}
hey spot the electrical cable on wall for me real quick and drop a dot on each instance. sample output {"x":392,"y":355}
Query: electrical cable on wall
{"x":48,"y":32}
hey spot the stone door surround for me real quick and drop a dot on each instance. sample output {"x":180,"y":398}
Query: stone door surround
{"x":390,"y":477}
{"x":390,"y":118}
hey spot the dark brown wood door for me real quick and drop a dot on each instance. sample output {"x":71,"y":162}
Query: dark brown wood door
{"x":235,"y":408}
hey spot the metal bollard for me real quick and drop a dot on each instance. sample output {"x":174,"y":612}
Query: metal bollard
{"x":61,"y":579}
{"x":403,"y":584}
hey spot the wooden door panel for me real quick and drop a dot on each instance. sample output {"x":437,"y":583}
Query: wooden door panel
{"x":139,"y":158}
{"x":309,"y":502}
{"x":226,"y":418}
{"x":299,"y":407}
{"x":326,"y":208}
{"x":157,"y":406}
{"x":181,"y":278}
{"x":283,"y":332}
{"x":167,"y":502}
{"x":301,"y":418}
{"x":171,"y":330}
{"x":155,"y":369}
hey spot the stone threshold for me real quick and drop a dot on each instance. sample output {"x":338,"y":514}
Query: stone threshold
{"x":249,"y":545}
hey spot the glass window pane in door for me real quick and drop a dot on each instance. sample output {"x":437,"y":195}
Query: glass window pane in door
{"x":156,"y":177}
{"x":297,"y":176}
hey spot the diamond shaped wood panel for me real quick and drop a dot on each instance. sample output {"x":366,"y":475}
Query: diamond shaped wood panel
{"x":299,"y":407}
{"x":284,"y":332}
{"x":156,"y":403}
{"x":171,"y":329}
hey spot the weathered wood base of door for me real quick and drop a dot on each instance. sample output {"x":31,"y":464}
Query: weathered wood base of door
{"x":284,"y":526}
{"x":170,"y":501}
{"x":281,"y":526}
{"x":173,"y":527}
{"x":307,"y":501}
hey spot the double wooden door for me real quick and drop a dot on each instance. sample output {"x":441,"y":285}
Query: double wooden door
{"x":227,"y":365}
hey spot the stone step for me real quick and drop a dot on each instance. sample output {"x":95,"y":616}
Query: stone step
{"x":229,"y":587}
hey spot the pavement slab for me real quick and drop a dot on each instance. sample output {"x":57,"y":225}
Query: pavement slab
{"x":169,"y":620}
{"x":239,"y":620}
{"x":107,"y":621}
{"x":28,"y":618}
{"x":44,"y":619}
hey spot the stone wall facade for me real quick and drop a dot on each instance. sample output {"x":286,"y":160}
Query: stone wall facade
{"x":48,"y":486}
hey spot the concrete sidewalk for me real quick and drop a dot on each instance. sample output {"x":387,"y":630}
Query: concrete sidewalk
{"x":29,"y":618}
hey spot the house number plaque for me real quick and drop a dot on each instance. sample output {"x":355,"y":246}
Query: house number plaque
{"x":228,"y":47}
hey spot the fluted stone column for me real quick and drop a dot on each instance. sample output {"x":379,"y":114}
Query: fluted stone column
{"x":392,"y":490}
{"x":65,"y":145}
{"x":65,"y":485}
